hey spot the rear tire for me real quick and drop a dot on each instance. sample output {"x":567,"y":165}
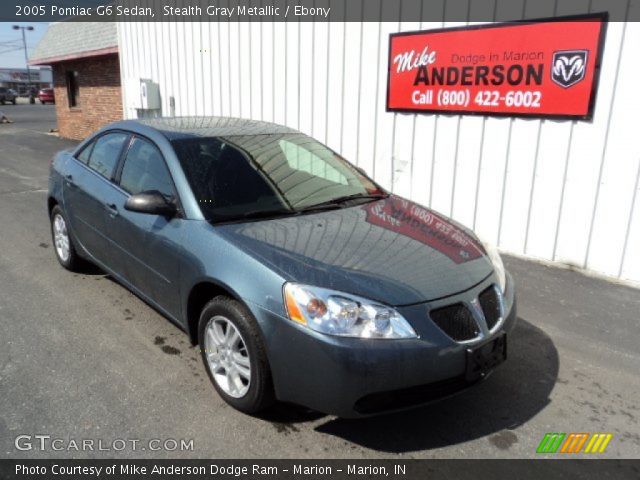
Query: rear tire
{"x":234,"y":356}
{"x":62,"y":242}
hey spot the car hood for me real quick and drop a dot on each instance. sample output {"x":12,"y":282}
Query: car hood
{"x":392,"y":250}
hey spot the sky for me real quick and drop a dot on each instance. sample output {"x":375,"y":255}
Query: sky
{"x":15,"y":59}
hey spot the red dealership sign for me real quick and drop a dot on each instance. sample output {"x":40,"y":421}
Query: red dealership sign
{"x":542,"y":68}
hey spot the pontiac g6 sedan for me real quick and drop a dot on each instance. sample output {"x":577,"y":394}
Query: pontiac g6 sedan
{"x":300,"y":278}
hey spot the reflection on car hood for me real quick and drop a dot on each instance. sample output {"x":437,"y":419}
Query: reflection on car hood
{"x":392,"y":250}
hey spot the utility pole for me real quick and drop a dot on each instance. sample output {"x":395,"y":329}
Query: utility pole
{"x":26,"y":56}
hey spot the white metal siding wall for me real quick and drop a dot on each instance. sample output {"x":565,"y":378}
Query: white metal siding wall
{"x":560,"y":191}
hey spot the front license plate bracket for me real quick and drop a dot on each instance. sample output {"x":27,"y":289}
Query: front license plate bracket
{"x":482,"y":359}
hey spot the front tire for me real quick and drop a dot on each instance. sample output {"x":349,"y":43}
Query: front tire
{"x":62,"y":243}
{"x":234,"y":355}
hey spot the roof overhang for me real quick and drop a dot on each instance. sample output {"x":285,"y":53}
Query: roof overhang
{"x":74,"y":56}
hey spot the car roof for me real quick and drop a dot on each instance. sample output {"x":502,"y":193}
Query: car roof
{"x":185,"y":127}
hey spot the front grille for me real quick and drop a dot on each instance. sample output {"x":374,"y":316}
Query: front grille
{"x":490,"y":304}
{"x":456,"y":321}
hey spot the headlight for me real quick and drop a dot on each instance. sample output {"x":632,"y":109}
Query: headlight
{"x":342,"y":314}
{"x":494,"y":256}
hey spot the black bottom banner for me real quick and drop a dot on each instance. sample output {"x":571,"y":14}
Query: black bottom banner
{"x":543,"y":469}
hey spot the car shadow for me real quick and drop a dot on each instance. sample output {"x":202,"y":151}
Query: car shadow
{"x":91,"y":270}
{"x":514,"y":394}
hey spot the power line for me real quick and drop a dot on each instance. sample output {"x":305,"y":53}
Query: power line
{"x":14,"y":49}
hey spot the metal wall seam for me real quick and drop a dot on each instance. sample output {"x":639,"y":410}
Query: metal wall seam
{"x":326,"y":99}
{"x":377,"y":100}
{"x":636,"y":187}
{"x":395,"y":118}
{"x":504,"y":182}
{"x":358,"y":108}
{"x":533,"y":186}
{"x":435,"y":128}
{"x":457,"y":148}
{"x":606,"y":138}
{"x":562,"y":191}
{"x":344,"y":60}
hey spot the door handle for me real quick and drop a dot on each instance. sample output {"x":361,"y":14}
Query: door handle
{"x":112,"y":209}
{"x":69,"y":180}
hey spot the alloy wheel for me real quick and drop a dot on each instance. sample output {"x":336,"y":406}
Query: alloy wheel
{"x":61,"y":237}
{"x":227,"y":356}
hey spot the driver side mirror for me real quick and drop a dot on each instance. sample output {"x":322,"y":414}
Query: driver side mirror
{"x":152,"y":203}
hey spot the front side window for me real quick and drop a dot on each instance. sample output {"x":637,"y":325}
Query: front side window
{"x":239,"y":176}
{"x":144,"y":170}
{"x":105,"y":153}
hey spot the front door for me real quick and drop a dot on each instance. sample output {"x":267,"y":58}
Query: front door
{"x":149,"y":246}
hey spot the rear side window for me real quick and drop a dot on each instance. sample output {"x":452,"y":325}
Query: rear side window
{"x":144,"y":170}
{"x":105,"y":153}
{"x":86,"y":153}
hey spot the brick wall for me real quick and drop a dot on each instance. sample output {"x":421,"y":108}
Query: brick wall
{"x":99,"y":101}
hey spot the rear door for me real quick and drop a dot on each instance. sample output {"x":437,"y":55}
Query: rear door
{"x":149,"y":246}
{"x":88,"y":189}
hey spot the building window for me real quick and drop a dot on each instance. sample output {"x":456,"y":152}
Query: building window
{"x":73,"y":91}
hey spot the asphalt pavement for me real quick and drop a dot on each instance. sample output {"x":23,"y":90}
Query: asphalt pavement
{"x":82,"y":358}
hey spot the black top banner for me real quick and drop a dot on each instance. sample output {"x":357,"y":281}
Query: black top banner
{"x":305,"y":10}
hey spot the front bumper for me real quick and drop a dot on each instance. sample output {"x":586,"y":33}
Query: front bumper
{"x":351,"y":377}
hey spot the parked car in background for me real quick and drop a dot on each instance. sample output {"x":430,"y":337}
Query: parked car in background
{"x":301,"y":279}
{"x":7,"y":95}
{"x":46,"y":95}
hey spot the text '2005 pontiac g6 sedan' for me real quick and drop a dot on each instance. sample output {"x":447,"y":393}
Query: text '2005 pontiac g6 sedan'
{"x":299,"y":277}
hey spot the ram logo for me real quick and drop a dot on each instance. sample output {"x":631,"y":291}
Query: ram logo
{"x":569,"y":67}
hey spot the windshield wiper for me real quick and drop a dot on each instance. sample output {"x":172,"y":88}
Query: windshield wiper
{"x":339,"y":201}
{"x":255,"y":214}
{"x":280,"y":212}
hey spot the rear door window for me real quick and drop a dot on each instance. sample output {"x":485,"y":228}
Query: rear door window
{"x":84,"y":155}
{"x":106,"y":152}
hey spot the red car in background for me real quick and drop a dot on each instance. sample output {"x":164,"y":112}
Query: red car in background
{"x":46,"y":95}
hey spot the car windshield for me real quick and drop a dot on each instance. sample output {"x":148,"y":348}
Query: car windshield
{"x":261,"y":176}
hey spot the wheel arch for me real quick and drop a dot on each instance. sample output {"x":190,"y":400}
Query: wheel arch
{"x":51,"y":203}
{"x":199,"y":295}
